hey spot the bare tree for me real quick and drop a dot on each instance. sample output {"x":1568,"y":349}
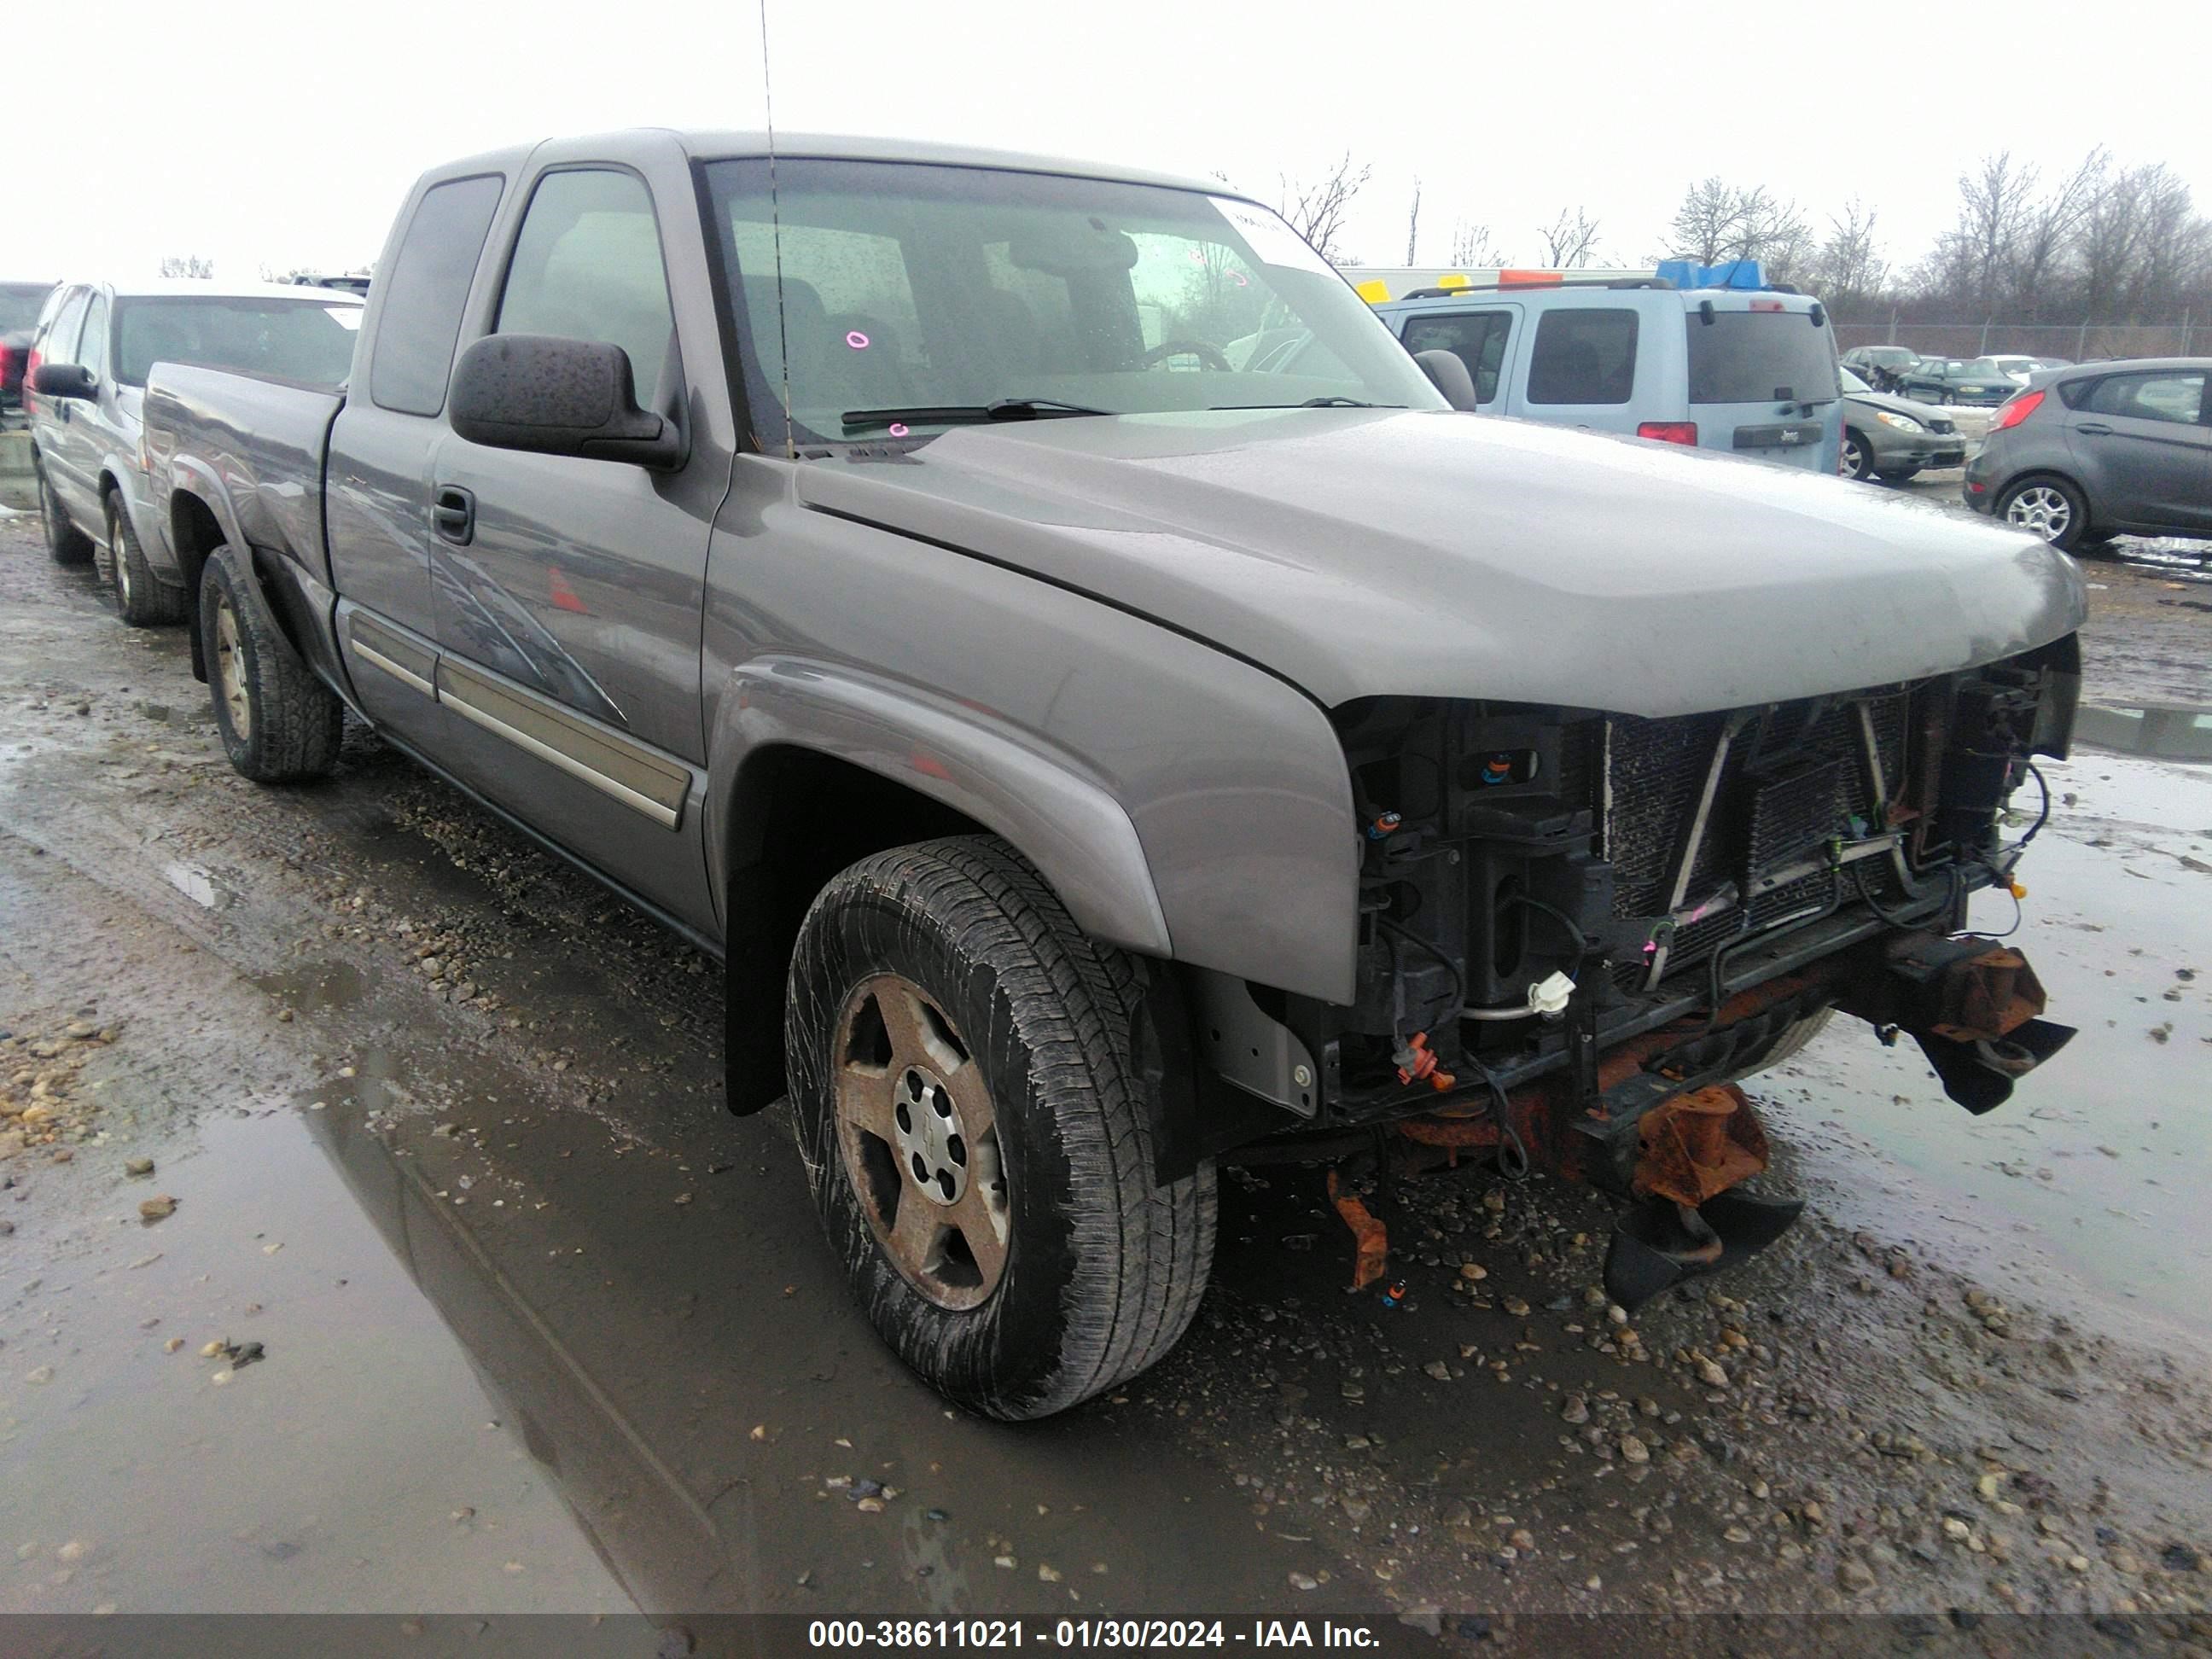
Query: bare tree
{"x":1471,"y":248}
{"x":1316,"y":208}
{"x":1848,"y":267}
{"x":1570,"y":241}
{"x":1718,"y":222}
{"x":2042,"y":239}
{"x":1705,"y":223}
{"x":187,"y":265}
{"x":1414,"y":225}
{"x":1975,"y":256}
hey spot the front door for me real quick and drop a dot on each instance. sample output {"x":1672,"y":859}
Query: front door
{"x":2145,"y":451}
{"x":54,"y":420}
{"x":569,"y":591}
{"x":1481,"y":338}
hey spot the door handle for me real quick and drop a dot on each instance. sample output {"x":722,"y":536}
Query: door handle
{"x":453,"y":513}
{"x":2095,"y":429}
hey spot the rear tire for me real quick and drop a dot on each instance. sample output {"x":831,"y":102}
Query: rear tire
{"x":142,"y":599}
{"x":995,"y":1204}
{"x":65,"y":543}
{"x":2048,"y":507}
{"x":279,"y":723}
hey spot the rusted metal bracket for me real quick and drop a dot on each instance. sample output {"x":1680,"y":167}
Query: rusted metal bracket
{"x":1370,"y":1238}
{"x":1698,"y":1146}
{"x":1971,"y":1005}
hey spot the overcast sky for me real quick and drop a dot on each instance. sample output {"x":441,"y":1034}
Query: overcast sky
{"x":285,"y":132}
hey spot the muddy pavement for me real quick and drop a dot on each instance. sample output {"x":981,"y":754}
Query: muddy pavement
{"x":367,"y":1010}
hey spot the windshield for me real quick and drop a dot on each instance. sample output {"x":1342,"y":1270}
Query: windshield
{"x":1761,"y":356}
{"x":1986,"y":367}
{"x":918,"y":287}
{"x":19,"y":308}
{"x":309,"y":340}
{"x":1852,"y":383}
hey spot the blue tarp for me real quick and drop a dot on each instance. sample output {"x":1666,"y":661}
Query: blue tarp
{"x":1735,"y":273}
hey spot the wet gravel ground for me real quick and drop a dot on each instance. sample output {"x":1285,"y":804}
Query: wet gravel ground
{"x":600,"y":1322}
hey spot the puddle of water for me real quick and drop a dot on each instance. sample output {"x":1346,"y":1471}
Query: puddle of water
{"x":329,"y":987}
{"x":2093,"y":1172}
{"x":695,"y":1377}
{"x":325,"y":1477}
{"x":196,"y":884}
{"x":2177,"y":556}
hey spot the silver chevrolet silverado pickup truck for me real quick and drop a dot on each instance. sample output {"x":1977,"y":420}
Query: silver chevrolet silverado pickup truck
{"x":1096,"y":759}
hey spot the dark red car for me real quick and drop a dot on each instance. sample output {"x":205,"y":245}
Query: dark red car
{"x":20,"y":303}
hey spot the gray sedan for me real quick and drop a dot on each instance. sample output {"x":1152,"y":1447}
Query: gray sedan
{"x":1894,"y":438}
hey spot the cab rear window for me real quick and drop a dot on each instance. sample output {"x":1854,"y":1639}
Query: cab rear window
{"x":1760,"y":357}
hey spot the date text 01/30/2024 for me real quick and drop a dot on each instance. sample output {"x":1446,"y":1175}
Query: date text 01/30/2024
{"x":921,"y":1633}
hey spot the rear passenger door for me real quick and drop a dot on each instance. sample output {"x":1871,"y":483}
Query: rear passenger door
{"x":1482,"y":339}
{"x":378,"y":497}
{"x":1581,"y":368}
{"x":2145,"y":450}
{"x":568,"y":605}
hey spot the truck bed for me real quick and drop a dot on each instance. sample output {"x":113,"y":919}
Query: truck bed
{"x":252,"y":450}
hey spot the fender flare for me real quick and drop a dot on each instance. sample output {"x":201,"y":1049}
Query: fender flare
{"x":216,"y":500}
{"x":1044,"y":802}
{"x":121,"y":470}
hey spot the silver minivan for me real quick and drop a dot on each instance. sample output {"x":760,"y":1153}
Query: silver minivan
{"x":87,"y":381}
{"x":1750,"y":372}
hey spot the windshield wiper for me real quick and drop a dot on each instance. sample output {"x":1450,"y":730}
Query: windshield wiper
{"x":1314,"y":402}
{"x":1005,"y":408}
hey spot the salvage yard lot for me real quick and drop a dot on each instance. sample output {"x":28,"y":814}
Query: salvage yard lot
{"x":1964,"y":1383}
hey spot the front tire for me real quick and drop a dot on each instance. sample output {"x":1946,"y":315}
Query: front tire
{"x":65,"y":543}
{"x":976,"y":1133}
{"x":142,"y":599}
{"x":279,"y":723}
{"x":1857,"y":460}
{"x":2050,"y":508}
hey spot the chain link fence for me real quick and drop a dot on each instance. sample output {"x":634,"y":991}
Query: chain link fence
{"x":2078,"y":342}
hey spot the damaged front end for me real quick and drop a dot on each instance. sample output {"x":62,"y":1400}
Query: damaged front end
{"x":1579,"y":930}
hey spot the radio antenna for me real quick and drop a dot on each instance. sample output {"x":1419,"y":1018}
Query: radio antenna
{"x":775,"y":230}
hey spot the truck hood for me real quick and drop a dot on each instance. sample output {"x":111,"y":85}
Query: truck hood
{"x":1419,"y":553}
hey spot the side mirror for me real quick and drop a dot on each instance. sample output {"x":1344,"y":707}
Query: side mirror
{"x":1450,"y":376}
{"x":551,"y":396}
{"x":64,"y":380}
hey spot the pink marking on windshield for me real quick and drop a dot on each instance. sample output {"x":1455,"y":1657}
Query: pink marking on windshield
{"x":857,"y":340}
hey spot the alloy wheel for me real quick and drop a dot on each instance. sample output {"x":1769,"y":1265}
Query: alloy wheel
{"x":920,"y":1136}
{"x":2042,"y":509}
{"x":230,"y":672}
{"x":115,"y":556}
